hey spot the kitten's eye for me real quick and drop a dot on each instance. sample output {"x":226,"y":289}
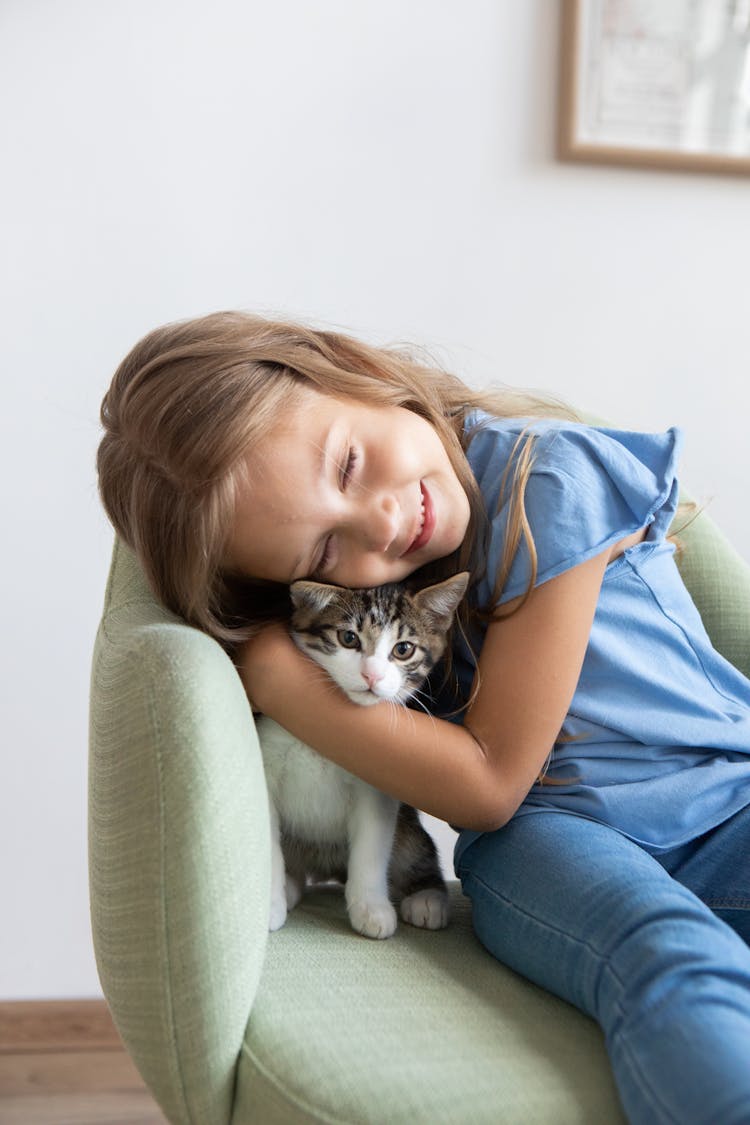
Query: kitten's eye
{"x":348,"y":638}
{"x":403,"y":650}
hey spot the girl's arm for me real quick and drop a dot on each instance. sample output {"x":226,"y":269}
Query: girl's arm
{"x":475,"y":775}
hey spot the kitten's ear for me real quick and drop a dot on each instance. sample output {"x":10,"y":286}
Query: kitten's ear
{"x":442,"y":600}
{"x":312,"y":595}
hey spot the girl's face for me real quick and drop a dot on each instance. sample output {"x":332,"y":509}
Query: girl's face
{"x":348,"y":493}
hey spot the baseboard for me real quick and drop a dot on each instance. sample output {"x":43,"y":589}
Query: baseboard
{"x":56,"y":1025}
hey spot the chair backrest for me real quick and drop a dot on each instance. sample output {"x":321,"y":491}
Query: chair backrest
{"x":179,"y":848}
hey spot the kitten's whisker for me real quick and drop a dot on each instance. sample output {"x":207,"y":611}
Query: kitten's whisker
{"x":424,"y":706}
{"x":426,"y":709}
{"x":394,"y":709}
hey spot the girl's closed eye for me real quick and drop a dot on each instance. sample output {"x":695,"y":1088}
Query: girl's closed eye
{"x":346,"y":470}
{"x":347,"y":466}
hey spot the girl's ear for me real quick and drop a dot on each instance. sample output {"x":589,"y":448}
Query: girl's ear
{"x":442,"y":600}
{"x":313,"y":595}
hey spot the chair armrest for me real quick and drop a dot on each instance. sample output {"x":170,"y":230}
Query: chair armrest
{"x":718,"y":579}
{"x":178,"y":853}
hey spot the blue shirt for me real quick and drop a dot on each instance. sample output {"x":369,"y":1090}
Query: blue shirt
{"x":656,"y":743}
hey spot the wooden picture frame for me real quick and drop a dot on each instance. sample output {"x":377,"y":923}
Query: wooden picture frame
{"x":656,"y":84}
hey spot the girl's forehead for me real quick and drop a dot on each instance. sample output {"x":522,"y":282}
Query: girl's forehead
{"x":291,"y":418}
{"x":308,"y":408}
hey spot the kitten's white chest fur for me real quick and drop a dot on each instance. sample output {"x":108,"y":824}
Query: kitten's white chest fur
{"x":314,"y":797}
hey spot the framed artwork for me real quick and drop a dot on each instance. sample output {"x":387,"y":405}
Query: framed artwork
{"x":656,"y":83}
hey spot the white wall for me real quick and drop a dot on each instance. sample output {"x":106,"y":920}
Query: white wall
{"x":383,"y":166}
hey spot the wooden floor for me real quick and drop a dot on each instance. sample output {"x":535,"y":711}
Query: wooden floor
{"x":63,"y":1063}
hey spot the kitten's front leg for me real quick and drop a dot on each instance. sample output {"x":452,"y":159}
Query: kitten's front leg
{"x":372,"y":824}
{"x":278,"y":871}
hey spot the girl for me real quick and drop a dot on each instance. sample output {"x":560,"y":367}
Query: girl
{"x":600,"y":769}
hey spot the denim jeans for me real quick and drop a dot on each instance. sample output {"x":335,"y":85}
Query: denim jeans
{"x":654,"y":949}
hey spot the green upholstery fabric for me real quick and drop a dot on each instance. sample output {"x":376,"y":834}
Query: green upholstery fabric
{"x":179,"y":850}
{"x":719,"y":582}
{"x":426,"y":1027}
{"x":313,"y":1023}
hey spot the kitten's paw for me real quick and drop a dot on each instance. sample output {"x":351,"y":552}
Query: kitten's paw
{"x":374,"y":919}
{"x":293,"y":891}
{"x":427,"y":909}
{"x":278,"y":912}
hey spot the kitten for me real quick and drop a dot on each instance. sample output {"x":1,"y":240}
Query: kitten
{"x":378,"y":645}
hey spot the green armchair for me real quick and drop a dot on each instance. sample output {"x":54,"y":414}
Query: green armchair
{"x":230,"y":1024}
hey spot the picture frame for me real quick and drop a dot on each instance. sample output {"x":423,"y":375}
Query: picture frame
{"x":656,"y":85}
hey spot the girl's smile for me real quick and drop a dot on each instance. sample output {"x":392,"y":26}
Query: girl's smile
{"x":427,"y":524}
{"x":348,"y":492}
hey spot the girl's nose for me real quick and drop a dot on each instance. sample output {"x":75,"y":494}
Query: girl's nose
{"x":380,"y":522}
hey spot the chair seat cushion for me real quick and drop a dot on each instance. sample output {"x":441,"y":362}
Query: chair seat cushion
{"x":425,"y":1027}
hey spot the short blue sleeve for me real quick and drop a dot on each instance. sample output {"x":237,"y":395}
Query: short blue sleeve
{"x":588,"y":488}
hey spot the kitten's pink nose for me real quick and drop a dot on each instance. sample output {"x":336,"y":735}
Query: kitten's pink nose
{"x":372,"y":675}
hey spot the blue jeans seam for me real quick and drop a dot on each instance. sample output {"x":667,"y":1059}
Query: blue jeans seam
{"x":640,"y":1081}
{"x":540,"y":922}
{"x":629,"y":1056}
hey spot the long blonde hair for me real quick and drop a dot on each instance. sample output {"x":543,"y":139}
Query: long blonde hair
{"x":191,"y":398}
